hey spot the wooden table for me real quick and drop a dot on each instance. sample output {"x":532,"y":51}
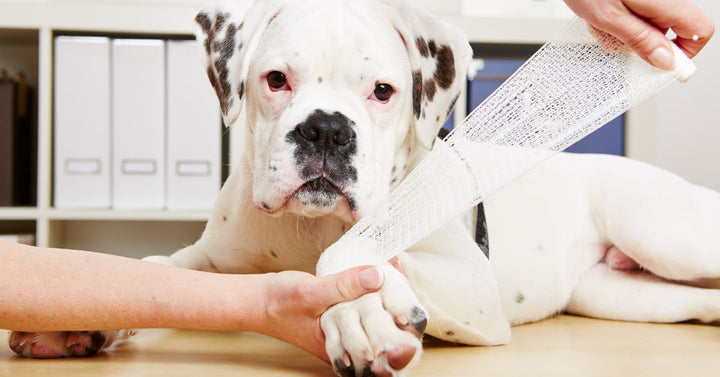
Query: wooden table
{"x":562,"y":346}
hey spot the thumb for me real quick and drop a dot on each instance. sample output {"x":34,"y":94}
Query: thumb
{"x":349,"y":284}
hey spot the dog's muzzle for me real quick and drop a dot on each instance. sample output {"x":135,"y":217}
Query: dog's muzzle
{"x":325,"y":146}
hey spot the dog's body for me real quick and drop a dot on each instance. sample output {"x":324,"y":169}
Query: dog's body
{"x":594,"y":235}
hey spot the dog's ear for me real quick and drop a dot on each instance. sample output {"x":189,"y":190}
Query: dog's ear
{"x":439,"y":56}
{"x":229,"y":44}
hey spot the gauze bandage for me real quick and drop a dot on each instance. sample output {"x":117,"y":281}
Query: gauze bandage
{"x":569,"y":88}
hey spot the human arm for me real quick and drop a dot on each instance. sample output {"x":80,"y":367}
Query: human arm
{"x":59,"y":289}
{"x":642,"y":24}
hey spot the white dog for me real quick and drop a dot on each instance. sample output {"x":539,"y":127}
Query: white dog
{"x":338,"y":100}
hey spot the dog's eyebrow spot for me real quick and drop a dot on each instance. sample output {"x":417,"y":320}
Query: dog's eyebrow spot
{"x":320,"y":80}
{"x":520,"y":298}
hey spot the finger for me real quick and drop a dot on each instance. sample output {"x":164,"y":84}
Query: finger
{"x":693,"y":27}
{"x":642,"y":37}
{"x":348,"y":285}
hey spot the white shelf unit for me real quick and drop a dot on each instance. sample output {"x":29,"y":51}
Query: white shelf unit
{"x":27,"y":29}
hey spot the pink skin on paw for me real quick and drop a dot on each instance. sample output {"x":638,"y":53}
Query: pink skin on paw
{"x":619,"y":261}
{"x":400,"y":357}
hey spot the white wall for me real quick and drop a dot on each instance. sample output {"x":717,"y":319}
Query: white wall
{"x":687,"y":117}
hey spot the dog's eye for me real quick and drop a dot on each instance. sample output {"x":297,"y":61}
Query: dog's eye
{"x":383,"y":92}
{"x":277,"y":80}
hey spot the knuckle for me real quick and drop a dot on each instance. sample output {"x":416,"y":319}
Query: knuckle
{"x":641,"y":41}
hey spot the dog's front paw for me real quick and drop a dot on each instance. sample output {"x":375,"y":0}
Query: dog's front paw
{"x":378,"y":334}
{"x":55,"y":344}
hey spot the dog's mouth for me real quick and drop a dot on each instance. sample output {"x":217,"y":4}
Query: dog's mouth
{"x":319,"y":192}
{"x":317,"y":197}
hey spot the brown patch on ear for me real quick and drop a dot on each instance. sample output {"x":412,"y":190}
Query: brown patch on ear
{"x":218,"y":72}
{"x":417,"y":93}
{"x":422,"y":47}
{"x":430,"y":89}
{"x":432,"y":46}
{"x":445,"y":71}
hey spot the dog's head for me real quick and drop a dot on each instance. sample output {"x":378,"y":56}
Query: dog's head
{"x":337,"y":96}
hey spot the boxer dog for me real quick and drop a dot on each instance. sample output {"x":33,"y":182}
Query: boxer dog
{"x":336,"y":101}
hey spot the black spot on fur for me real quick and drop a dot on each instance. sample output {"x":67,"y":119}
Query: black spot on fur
{"x":449,"y":333}
{"x":481,"y":233}
{"x":274,"y":254}
{"x":224,"y":218}
{"x":445,"y":70}
{"x":417,"y":93}
{"x":519,"y":298}
{"x":422,"y":47}
{"x":320,"y":80}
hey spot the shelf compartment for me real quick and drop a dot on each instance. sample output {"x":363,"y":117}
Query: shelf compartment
{"x":135,"y":239}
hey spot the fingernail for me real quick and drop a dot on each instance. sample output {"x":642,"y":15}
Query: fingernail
{"x":371,"y":278}
{"x":662,"y":58}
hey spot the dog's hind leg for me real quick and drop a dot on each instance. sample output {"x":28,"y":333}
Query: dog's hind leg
{"x":641,"y":296}
{"x":668,"y":226}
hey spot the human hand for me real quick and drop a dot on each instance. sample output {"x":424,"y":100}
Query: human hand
{"x":294,"y":302}
{"x":642,"y":24}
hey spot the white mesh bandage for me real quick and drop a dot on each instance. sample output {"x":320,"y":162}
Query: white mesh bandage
{"x":569,"y":88}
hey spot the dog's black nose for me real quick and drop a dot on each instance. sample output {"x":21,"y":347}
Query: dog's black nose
{"x":326,"y":132}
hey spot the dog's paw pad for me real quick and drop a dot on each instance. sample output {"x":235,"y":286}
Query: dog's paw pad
{"x":399,"y":357}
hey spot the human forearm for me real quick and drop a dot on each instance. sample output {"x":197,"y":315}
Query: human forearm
{"x":60,"y":289}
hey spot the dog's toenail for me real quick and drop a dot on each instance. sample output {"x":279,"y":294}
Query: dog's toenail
{"x":367,"y":372}
{"x":342,"y":369}
{"x":400,"y":357}
{"x":419,"y":320}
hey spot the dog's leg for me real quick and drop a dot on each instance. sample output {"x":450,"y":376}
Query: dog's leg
{"x":641,"y":296}
{"x":665,"y":224}
{"x":455,"y":282}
